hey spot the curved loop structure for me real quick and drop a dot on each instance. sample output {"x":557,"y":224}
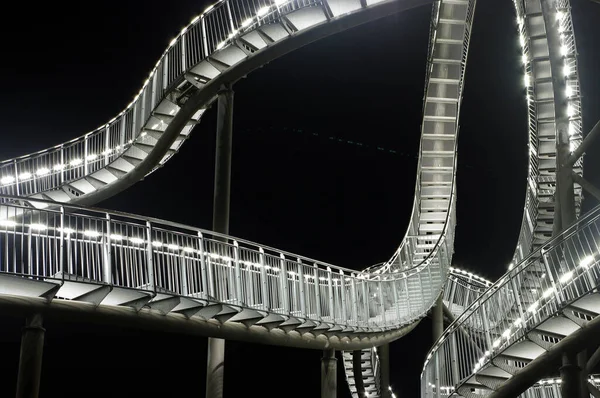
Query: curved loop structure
{"x":558,"y":301}
{"x":220,"y":286}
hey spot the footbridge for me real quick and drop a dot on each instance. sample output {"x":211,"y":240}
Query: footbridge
{"x":61,"y":258}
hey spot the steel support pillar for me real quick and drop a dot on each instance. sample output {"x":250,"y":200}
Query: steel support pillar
{"x":587,"y":186}
{"x":328,"y":374}
{"x":30,"y":360}
{"x":570,"y":385}
{"x":438,"y":319}
{"x":357,"y":369}
{"x":215,"y":367}
{"x":384,"y":370}
{"x":582,"y":359}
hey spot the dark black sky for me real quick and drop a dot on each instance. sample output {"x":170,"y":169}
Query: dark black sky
{"x":298,"y":184}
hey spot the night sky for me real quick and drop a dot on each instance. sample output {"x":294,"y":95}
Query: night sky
{"x":324,"y":160}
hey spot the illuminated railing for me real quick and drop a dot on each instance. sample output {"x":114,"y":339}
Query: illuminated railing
{"x":563,"y":270}
{"x":64,"y":242}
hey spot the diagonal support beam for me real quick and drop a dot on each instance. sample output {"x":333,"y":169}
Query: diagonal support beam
{"x":593,"y":390}
{"x":587,"y":141}
{"x":593,"y":361}
{"x":588,"y":186}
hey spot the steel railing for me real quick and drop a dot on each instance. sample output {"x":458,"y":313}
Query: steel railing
{"x":62,"y":242}
{"x":562,"y":271}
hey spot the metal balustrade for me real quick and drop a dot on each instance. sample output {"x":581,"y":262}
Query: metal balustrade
{"x":564,"y":270}
{"x":64,"y":243}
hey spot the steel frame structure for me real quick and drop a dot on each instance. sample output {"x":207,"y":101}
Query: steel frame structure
{"x":56,"y":252}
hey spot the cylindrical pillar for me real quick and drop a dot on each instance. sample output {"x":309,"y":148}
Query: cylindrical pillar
{"x":438,"y":319}
{"x":328,"y":374}
{"x":215,"y":368}
{"x":582,"y":359}
{"x":357,"y":369}
{"x":384,"y":369}
{"x":570,"y":385}
{"x":222,"y":191}
{"x":30,"y":360}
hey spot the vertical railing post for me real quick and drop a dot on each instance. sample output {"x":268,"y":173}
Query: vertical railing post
{"x":557,"y":294}
{"x":330,"y":292}
{"x":365,"y":291}
{"x":408,"y":309}
{"x":204,"y":283}
{"x":284,"y":284}
{"x":185,"y":285}
{"x":238,"y":274}
{"x":486,"y":326}
{"x":183,"y":54}
{"x":17,"y":189}
{"x":165,"y":71}
{"x":343,"y":297}
{"x":122,"y":132}
{"x":62,"y":253}
{"x":154,"y":79}
{"x":106,"y":144}
{"x":381,"y":301}
{"x":85,"y":154}
{"x":149,"y":257}
{"x":204,"y":37}
{"x":354,"y":298}
{"x":230,"y":16}
{"x":264,"y":288}
{"x":396,"y":299}
{"x":107,"y":253}
{"x":318,"y":292}
{"x":63,"y":166}
{"x":301,"y":285}
{"x":454,"y":358}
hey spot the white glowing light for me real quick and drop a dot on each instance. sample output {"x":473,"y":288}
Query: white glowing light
{"x":548,"y":292}
{"x":91,"y":233}
{"x":7,"y":223}
{"x":116,"y":237}
{"x":527,"y":80}
{"x":506,"y":333}
{"x":569,"y":91}
{"x":220,"y":45}
{"x":533,"y":307}
{"x":586,"y":261}
{"x":43,"y":171}
{"x":106,"y":152}
{"x":564,"y":50}
{"x":172,"y":43}
{"x":58,"y":167}
{"x":572,"y":146}
{"x":560,"y":15}
{"x":24,"y":176}
{"x":511,"y":266}
{"x":566,"y":277}
{"x":262,"y":11}
{"x":196,"y":18}
{"x":567,"y":70}
{"x":191,"y":250}
{"x":518,"y":322}
{"x":7,"y":180}
{"x":232,"y":34}
{"x":172,"y":246}
{"x":157,"y":244}
{"x":38,"y":227}
{"x":570,"y":110}
{"x":522,"y":40}
{"x":496,"y":343}
{"x":137,"y":241}
{"x":66,"y":231}
{"x":280,"y":2}
{"x":76,"y":162}
{"x":524,"y":59}
{"x":89,"y":158}
{"x":247,"y":23}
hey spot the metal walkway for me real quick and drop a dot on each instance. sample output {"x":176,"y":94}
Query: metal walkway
{"x":61,"y":258}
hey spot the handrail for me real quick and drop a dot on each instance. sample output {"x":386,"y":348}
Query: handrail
{"x":570,"y":263}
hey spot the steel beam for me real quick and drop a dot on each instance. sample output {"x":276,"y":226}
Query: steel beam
{"x":215,"y":367}
{"x":585,"y":144}
{"x":384,"y":370}
{"x":539,"y":368}
{"x":30,"y":360}
{"x":589,"y":188}
{"x":438,"y":319}
{"x":357,"y":370}
{"x":569,"y":374}
{"x":328,"y":374}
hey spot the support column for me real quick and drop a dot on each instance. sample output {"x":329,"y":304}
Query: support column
{"x":328,"y":374}
{"x":30,"y":360}
{"x":582,"y":359}
{"x":357,"y":369}
{"x":438,"y":319}
{"x":569,"y":374}
{"x":215,"y":367}
{"x":384,"y":369}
